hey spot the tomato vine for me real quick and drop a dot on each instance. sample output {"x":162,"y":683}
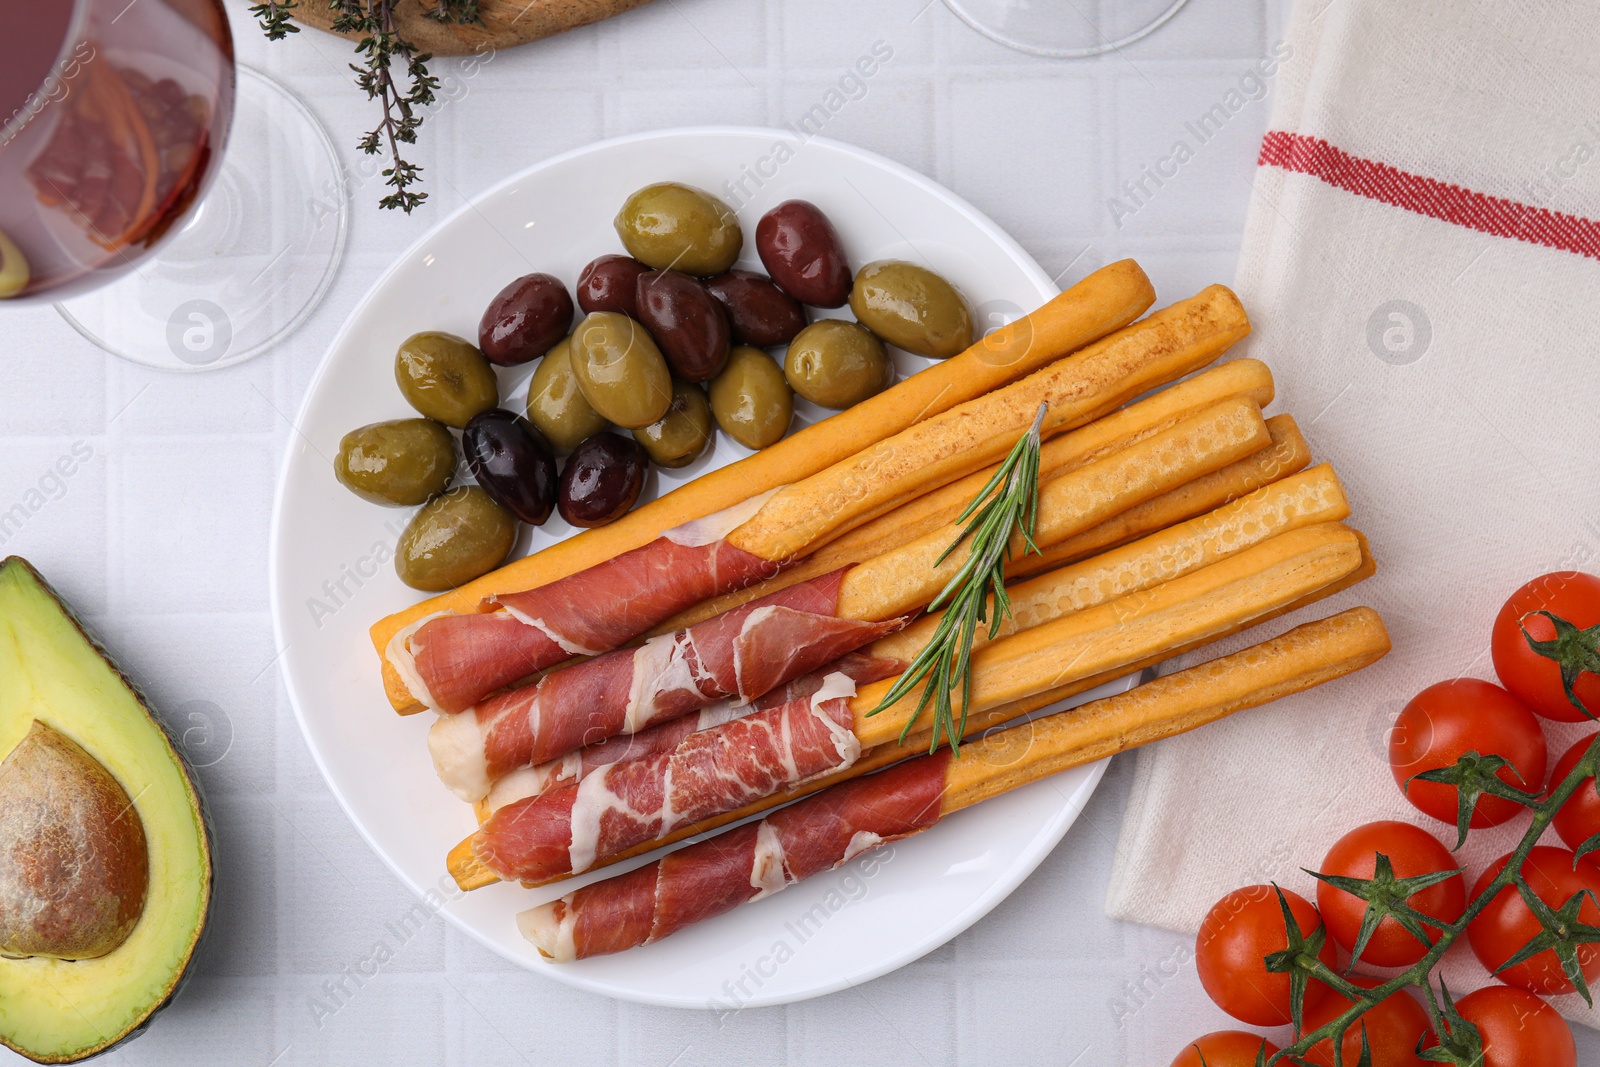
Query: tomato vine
{"x":1561,"y":929}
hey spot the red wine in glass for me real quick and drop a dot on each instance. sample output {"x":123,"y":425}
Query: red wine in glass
{"x":113,"y":114}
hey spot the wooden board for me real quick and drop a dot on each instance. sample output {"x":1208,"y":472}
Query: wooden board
{"x":505,"y":22}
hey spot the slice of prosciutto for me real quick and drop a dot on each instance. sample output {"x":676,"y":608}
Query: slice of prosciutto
{"x":859,"y":667}
{"x":450,"y":662}
{"x":736,"y":656}
{"x":744,"y":864}
{"x":569,"y":828}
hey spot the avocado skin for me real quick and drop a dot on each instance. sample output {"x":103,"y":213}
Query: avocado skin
{"x":197,"y":803}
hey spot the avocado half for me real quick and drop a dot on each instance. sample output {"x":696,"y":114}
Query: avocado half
{"x":56,"y":1010}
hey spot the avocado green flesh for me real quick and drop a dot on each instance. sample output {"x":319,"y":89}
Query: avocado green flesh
{"x":57,"y":1011}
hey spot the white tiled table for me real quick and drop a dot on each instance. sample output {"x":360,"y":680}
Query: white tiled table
{"x":161,"y":538}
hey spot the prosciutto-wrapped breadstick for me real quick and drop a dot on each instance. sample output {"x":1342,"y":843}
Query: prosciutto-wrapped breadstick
{"x":757,"y":646}
{"x":978,"y":724}
{"x":859,"y":667}
{"x":731,"y":660}
{"x":821,"y":832}
{"x":1295,"y":502}
{"x":1239,"y":378}
{"x":568,"y":829}
{"x":1105,"y":301}
{"x":452,"y":661}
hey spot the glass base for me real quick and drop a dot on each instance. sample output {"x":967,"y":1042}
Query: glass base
{"x":250,"y":264}
{"x":1065,"y":29}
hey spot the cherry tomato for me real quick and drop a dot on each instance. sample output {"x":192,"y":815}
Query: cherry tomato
{"x":1239,"y":932}
{"x":1224,"y":1048}
{"x":1411,"y":851}
{"x":1536,"y":681}
{"x":1506,"y":924}
{"x":1517,"y":1029}
{"x":1393,"y":1026}
{"x":1579,"y":818}
{"x":1448,"y":719}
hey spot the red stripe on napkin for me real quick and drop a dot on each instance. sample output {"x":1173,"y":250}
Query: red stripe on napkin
{"x":1427,"y":196}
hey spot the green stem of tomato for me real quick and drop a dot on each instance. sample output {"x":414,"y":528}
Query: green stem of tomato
{"x":1418,"y":973}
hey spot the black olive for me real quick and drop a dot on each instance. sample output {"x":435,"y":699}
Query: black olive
{"x":602,"y":479}
{"x":686,"y":321}
{"x":525,"y":319}
{"x":512,"y":462}
{"x":759,"y":312}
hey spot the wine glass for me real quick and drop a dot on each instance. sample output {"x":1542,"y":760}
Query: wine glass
{"x":118,"y":203}
{"x":1065,"y":29}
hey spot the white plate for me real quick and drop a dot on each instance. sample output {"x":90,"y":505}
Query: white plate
{"x":329,"y":581}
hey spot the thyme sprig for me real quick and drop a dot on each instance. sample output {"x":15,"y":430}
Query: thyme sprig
{"x":1561,"y":929}
{"x":383,"y":49}
{"x":274,"y":18}
{"x":1007,"y":506}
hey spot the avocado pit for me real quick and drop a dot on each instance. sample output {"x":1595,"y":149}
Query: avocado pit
{"x":74,"y":865}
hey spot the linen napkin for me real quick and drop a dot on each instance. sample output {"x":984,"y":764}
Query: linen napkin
{"x":1422,"y":265}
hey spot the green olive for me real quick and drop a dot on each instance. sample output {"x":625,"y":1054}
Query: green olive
{"x":401,"y":462}
{"x":675,"y":439}
{"x":556,"y":404}
{"x":454,"y":538}
{"x":672,"y":226}
{"x":911,"y":308}
{"x":837,"y":364}
{"x":751,"y":401}
{"x":620,"y":370}
{"x":445,"y":378}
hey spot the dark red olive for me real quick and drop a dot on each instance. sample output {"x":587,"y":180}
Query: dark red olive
{"x":602,"y":479}
{"x":609,"y":284}
{"x":525,"y":320}
{"x":512,"y":462}
{"x":687,"y":323}
{"x":759,"y":312}
{"x":804,"y":255}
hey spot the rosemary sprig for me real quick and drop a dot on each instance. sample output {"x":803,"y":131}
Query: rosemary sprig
{"x":383,"y":47}
{"x":1008,"y":504}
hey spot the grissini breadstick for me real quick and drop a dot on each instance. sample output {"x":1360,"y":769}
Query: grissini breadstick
{"x":1237,"y":378}
{"x":1081,"y":499}
{"x":452,"y":661}
{"x":1153,"y":351}
{"x":568,"y":829}
{"x":1101,"y":303}
{"x":1205,"y":693}
{"x":834,"y":826}
{"x":1196,"y":607}
{"x":1294,"y":502}
{"x":1289,"y":453}
{"x":760,"y":645}
{"x":977,"y":724}
{"x":1304,"y":499}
